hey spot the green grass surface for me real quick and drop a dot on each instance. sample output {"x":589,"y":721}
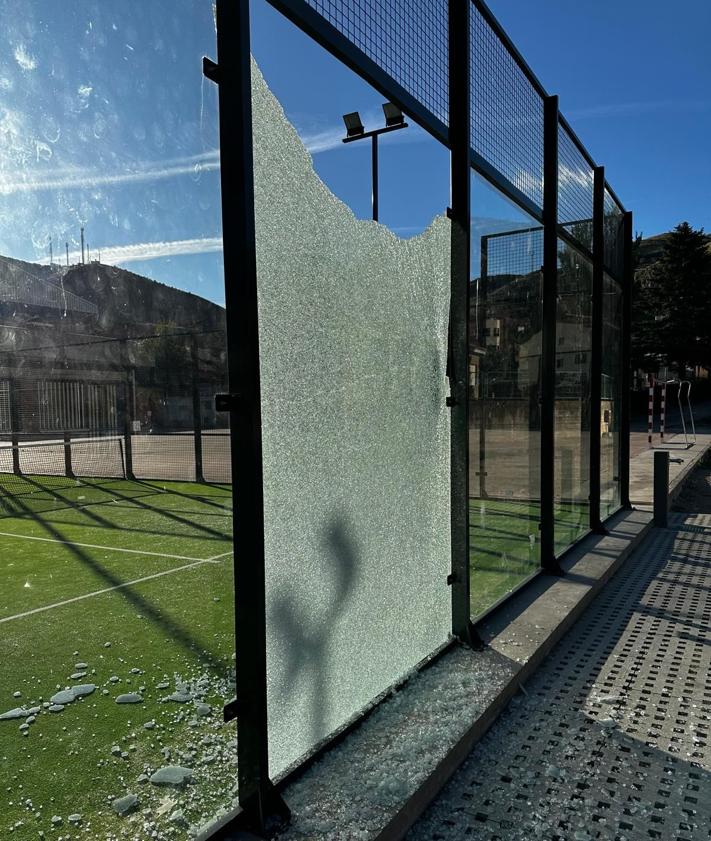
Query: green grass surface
{"x":164,"y":610}
{"x":135,"y":580}
{"x":505,"y":544}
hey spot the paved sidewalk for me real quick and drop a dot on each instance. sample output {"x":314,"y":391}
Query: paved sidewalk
{"x":682,"y":462}
{"x":610,"y":739}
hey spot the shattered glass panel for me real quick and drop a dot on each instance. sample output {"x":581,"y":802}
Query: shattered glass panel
{"x":353,"y":328}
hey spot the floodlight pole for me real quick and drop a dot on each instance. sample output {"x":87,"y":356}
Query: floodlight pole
{"x":374,"y":156}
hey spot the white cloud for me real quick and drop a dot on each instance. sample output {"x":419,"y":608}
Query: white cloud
{"x":70,"y":178}
{"x":328,"y":139}
{"x":24,"y":59}
{"x":119,"y":254}
{"x":323,"y":141}
{"x":624,"y":109}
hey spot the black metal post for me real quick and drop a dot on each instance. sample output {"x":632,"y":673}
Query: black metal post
{"x":482,"y":314}
{"x":197,"y":409}
{"x":596,"y":346}
{"x":627,"y":285}
{"x":259,"y":799}
{"x":458,"y":362}
{"x":375,"y":176}
{"x":548,"y":339}
{"x":14,"y":426}
{"x":127,"y":427}
{"x":125,"y":413}
{"x":68,"y":470}
{"x":661,"y":488}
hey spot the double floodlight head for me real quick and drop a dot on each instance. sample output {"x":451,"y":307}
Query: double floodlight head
{"x":394,"y":118}
{"x":393,"y":115}
{"x":354,"y":126}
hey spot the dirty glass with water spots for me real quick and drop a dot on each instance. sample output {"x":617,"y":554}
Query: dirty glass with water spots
{"x":116,"y":606}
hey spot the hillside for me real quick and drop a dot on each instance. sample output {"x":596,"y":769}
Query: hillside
{"x":652,"y":248}
{"x":68,"y":314}
{"x":120,"y":303}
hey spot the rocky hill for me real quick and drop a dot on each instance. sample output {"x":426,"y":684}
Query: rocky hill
{"x":55,"y":313}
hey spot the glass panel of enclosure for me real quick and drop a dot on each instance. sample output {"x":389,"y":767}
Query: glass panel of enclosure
{"x":116,"y":614}
{"x":572,"y":396}
{"x":353,"y":345}
{"x":504,"y":389}
{"x":611,"y":396}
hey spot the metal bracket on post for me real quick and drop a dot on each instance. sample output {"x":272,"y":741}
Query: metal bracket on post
{"x":226,"y":402}
{"x":210,"y":70}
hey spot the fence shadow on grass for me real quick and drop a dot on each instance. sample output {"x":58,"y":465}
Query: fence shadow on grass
{"x":207,"y":532}
{"x":169,"y":626}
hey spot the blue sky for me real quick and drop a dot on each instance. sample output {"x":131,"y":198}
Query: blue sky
{"x":634,"y":79}
{"x":119,"y":132}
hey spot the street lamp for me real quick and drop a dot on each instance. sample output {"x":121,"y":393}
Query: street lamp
{"x":394,"y":120}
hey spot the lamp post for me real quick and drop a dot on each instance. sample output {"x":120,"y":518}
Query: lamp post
{"x":394,"y":120}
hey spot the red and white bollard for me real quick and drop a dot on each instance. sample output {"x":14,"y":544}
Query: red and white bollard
{"x":663,"y":410}
{"x":650,"y":415}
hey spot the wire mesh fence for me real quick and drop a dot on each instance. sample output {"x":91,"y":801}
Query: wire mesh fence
{"x":506,"y":111}
{"x":406,"y":38}
{"x":575,"y":190}
{"x":145,"y":411}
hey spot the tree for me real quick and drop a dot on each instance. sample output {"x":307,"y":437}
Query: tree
{"x":672,"y":304}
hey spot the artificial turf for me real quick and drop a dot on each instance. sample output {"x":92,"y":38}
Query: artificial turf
{"x":135,"y":580}
{"x":504,"y":544}
{"x":173,"y":626}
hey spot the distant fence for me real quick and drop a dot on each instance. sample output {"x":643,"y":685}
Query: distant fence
{"x":144,"y":410}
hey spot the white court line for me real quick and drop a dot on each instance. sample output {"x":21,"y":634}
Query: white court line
{"x":105,"y":590}
{"x":217,"y":557}
{"x":110,"y":548}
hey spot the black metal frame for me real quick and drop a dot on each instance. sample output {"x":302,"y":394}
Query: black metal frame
{"x":548,"y":338}
{"x":257,"y":795}
{"x":458,"y":361}
{"x":596,"y":346}
{"x":627,"y":284}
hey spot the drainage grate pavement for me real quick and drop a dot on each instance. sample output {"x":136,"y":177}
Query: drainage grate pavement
{"x":610,"y":739}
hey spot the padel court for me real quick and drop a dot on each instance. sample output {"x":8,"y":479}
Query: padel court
{"x":124,"y":586}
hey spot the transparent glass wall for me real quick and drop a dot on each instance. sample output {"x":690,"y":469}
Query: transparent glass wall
{"x":504,"y":389}
{"x":572,"y":396}
{"x":116,"y":611}
{"x":611,"y":396}
{"x":353,"y":344}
